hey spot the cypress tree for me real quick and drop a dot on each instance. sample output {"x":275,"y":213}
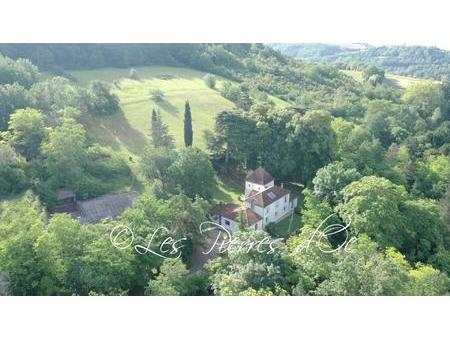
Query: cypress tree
{"x":188,"y":133}
{"x":160,"y":132}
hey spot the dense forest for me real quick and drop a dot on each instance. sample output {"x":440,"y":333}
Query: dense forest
{"x":369,"y":156}
{"x":416,"y":61}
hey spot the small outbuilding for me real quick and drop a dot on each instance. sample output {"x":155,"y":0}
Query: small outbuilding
{"x":66,"y":201}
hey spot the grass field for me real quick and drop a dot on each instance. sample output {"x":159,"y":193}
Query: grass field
{"x":130,"y":129}
{"x":286,"y":227}
{"x":391,"y":79}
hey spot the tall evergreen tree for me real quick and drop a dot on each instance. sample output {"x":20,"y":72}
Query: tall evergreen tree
{"x":159,"y":132}
{"x":188,"y":134}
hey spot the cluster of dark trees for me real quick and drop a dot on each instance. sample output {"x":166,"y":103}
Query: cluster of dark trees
{"x":374,"y":157}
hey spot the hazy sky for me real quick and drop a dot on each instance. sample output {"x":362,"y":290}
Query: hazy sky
{"x":376,"y":22}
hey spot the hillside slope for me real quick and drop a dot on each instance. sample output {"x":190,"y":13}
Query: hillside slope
{"x":129,"y":129}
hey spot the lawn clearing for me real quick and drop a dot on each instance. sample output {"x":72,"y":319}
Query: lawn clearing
{"x":286,"y":227}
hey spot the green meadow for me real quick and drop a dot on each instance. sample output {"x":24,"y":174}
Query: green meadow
{"x":130,"y":129}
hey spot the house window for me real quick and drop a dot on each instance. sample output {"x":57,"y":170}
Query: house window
{"x":256,"y":226}
{"x":267,"y":219}
{"x":284,"y":208}
{"x":227,"y":222}
{"x":285,"y":198}
{"x":276,"y":213}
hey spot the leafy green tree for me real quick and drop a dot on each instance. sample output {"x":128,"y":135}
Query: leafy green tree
{"x":192,"y":173}
{"x":27,"y":131}
{"x":428,"y":232}
{"x":425,"y":96}
{"x":372,"y":206}
{"x":254,"y":275}
{"x":380,"y":118}
{"x":12,"y":97}
{"x":234,"y":140}
{"x":20,"y":71}
{"x":331,"y":179}
{"x":373,"y":75}
{"x":106,"y":269}
{"x":188,"y":134}
{"x":74,"y":238}
{"x":370,"y":159}
{"x":364,"y":271}
{"x":100,"y":101}
{"x":155,"y":163}
{"x":64,"y":153}
{"x":427,"y":281}
{"x":56,"y":93}
{"x":313,"y":141}
{"x":12,"y":174}
{"x":246,"y":267}
{"x":29,"y":254}
{"x":178,"y":214}
{"x":171,"y":280}
{"x":315,"y":210}
{"x":310,"y":253}
{"x":441,"y":260}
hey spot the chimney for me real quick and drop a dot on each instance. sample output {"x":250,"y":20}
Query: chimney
{"x":282,"y":183}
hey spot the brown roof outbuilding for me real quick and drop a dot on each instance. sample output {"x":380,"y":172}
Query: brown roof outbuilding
{"x":232,"y":211}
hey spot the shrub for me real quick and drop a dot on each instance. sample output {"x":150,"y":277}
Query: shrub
{"x":103,"y":163}
{"x":210,"y":80}
{"x":156,"y":95}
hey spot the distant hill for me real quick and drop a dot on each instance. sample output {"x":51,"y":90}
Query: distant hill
{"x":415,"y":61}
{"x":317,"y":51}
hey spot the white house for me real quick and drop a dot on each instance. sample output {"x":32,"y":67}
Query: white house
{"x":264,"y":203}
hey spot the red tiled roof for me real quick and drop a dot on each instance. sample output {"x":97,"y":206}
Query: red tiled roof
{"x":259,"y":176}
{"x":268,"y":196}
{"x":232,"y":211}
